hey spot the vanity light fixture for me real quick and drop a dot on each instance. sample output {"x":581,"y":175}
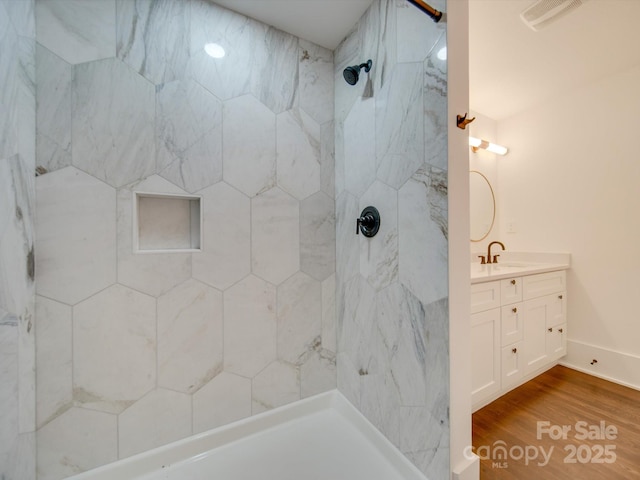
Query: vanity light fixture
{"x":477,"y":143}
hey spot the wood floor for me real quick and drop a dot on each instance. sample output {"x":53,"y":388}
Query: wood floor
{"x":561,"y":397}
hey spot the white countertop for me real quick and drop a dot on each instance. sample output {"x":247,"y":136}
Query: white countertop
{"x":516,"y":264}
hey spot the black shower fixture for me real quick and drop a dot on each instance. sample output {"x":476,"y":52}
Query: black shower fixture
{"x":352,"y":74}
{"x":369,"y":222}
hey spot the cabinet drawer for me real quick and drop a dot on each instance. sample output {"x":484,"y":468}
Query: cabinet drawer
{"x":485,"y":296}
{"x":511,"y":327}
{"x":557,"y":309}
{"x":543,"y":284}
{"x":511,"y":290}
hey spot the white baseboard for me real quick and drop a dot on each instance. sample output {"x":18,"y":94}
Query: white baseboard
{"x":467,"y":470}
{"x":617,"y":367}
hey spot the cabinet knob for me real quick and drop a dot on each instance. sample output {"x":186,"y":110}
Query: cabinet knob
{"x":560,"y":297}
{"x":560,"y":330}
{"x":514,"y":350}
{"x":550,"y":329}
{"x":513,"y":282}
{"x":514,"y":310}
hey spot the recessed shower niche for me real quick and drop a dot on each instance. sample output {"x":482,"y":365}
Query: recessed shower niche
{"x":166,"y":223}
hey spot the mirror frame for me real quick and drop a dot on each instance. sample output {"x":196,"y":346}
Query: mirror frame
{"x":493,"y":198}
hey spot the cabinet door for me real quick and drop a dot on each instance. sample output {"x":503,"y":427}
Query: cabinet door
{"x":535,"y":351}
{"x":557,"y":309}
{"x":557,"y":341}
{"x":512,"y":364}
{"x":485,"y":354}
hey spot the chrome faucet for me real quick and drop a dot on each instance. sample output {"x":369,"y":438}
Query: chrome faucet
{"x":495,"y":257}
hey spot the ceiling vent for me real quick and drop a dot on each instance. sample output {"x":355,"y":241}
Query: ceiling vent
{"x":545,"y":12}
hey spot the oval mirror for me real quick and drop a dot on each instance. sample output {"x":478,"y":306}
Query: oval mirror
{"x":482,"y":206}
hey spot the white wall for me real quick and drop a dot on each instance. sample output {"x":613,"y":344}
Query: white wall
{"x":571,"y":183}
{"x":459,"y":284}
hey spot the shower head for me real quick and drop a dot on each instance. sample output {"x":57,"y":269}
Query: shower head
{"x":352,"y":74}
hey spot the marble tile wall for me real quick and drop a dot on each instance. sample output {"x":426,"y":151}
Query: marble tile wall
{"x":17,"y":212}
{"x":137,"y":350}
{"x":392,"y":294}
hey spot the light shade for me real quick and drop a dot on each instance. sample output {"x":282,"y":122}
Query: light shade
{"x":477,"y":143}
{"x":214,"y":50}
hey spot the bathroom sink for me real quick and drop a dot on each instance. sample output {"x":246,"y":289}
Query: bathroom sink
{"x":497,"y":271}
{"x":515,"y":265}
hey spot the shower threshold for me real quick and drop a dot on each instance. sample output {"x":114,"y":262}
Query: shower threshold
{"x":320,"y":438}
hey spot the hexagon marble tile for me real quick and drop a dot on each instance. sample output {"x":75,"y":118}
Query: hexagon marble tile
{"x":424,"y":192}
{"x":151,"y":273}
{"x":76,"y":441}
{"x":76,"y":235}
{"x":241,"y":37}
{"x":153,"y":38}
{"x":22,"y":16}
{"x":249,"y":160}
{"x":54,"y":360}
{"x":226,"y":252}
{"x":401,"y":321}
{"x":77,"y":30}
{"x":328,"y":159}
{"x":9,"y":376}
{"x":114,"y":349}
{"x":188,"y":135}
{"x":298,"y":153}
{"x":26,"y":100}
{"x":359,"y":146}
{"x":275,"y":235}
{"x":347,"y":243}
{"x":378,"y":31}
{"x":318,"y":374}
{"x":190,"y":336}
{"x":379,"y":254}
{"x":329,"y":321}
{"x":317,"y":236}
{"x":316,"y":81}
{"x":9,"y":66}
{"x":435,"y":106}
{"x":276,"y":385}
{"x":223,"y":400}
{"x":418,"y":34}
{"x":250,"y":326}
{"x":160,"y":417}
{"x":274,"y":78}
{"x":299,"y":317}
{"x":400,"y":125}
{"x":113,"y":116}
{"x":54,"y":82}
{"x":16,"y":237}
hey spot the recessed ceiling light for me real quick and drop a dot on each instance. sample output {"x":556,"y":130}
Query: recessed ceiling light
{"x":214,"y":50}
{"x":442,"y":53}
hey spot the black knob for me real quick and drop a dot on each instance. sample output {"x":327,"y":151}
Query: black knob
{"x":369,"y":222}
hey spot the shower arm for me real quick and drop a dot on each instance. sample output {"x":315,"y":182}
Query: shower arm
{"x":436,"y":15}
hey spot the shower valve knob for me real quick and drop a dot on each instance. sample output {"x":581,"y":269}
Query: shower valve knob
{"x":369,"y":222}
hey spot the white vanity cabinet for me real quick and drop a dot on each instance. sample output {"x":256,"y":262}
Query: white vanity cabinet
{"x":518,"y":330}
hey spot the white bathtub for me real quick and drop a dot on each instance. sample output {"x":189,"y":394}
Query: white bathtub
{"x":319,"y":438}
